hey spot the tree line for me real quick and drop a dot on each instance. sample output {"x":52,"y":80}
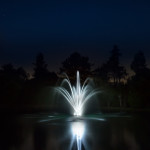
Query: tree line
{"x":119,"y":89}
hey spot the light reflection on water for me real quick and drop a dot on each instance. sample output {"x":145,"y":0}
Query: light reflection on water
{"x":68,"y":133}
{"x":78,"y":129}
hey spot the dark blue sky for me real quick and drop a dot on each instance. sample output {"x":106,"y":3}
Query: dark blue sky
{"x":58,"y":28}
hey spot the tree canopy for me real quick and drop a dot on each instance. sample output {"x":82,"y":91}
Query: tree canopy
{"x":76,"y":62}
{"x":40,"y":67}
{"x":138,"y":64}
{"x":112,"y":70}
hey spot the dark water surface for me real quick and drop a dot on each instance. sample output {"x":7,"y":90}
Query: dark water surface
{"x":55,"y":132}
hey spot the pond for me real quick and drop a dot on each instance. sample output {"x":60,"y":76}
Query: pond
{"x":116,"y":131}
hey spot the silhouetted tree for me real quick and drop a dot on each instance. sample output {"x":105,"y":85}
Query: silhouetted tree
{"x":9,"y":72}
{"x":40,"y":67}
{"x":115,"y":71}
{"x":8,"y":69}
{"x":11,"y":83}
{"x":41,"y":73}
{"x":102,"y":72}
{"x":76,"y":62}
{"x":22,"y":73}
{"x":138,"y":64}
{"x":139,"y":83}
{"x":112,"y":70}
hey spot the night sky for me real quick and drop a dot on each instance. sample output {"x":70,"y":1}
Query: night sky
{"x":58,"y":28}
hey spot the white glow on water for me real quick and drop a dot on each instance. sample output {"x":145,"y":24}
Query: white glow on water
{"x":78,"y":129}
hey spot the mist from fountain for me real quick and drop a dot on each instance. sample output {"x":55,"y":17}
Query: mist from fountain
{"x":78,"y":95}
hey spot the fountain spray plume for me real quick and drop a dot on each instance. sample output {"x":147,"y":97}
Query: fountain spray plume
{"x":77,"y":95}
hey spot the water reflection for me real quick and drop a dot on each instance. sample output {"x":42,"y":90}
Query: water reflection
{"x":68,"y":134}
{"x":122,"y":136}
{"x":78,"y":129}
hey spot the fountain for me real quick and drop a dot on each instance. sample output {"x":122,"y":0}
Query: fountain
{"x":77,"y":95}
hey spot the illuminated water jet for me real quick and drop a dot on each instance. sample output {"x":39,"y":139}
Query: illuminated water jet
{"x":77,"y":95}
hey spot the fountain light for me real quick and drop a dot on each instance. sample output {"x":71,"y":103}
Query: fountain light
{"x":77,"y":95}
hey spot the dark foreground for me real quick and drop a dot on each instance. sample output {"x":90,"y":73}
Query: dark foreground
{"x":54,"y":132}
